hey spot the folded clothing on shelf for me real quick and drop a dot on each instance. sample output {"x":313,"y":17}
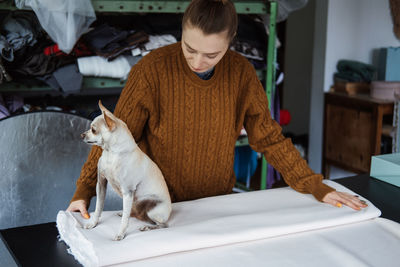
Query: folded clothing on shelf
{"x":100,"y":67}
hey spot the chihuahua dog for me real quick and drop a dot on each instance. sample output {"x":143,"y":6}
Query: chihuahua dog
{"x":131,"y":173}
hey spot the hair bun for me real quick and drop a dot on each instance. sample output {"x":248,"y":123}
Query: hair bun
{"x":212,"y":16}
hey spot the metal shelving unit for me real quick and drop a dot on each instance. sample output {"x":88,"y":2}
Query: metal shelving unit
{"x":129,"y":6}
{"x":270,"y":81}
{"x":169,"y":6}
{"x":162,"y":6}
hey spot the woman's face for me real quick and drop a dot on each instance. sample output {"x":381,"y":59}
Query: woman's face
{"x":202,"y":52}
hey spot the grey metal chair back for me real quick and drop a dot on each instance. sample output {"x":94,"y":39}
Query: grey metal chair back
{"x":41,"y":155}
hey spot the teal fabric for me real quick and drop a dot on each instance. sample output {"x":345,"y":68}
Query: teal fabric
{"x":354,"y":71}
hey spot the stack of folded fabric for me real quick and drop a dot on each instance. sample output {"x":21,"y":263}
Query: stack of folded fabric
{"x":354,"y":71}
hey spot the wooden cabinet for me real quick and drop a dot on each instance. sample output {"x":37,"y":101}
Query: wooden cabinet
{"x":353,"y":130}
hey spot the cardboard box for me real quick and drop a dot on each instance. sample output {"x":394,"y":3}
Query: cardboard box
{"x":385,"y":90}
{"x":352,"y":88}
{"x":386,"y":168}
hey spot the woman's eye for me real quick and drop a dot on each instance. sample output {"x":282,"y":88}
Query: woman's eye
{"x":211,"y":57}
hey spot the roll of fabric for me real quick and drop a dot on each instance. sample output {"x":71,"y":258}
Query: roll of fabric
{"x":205,"y":223}
{"x":99,"y":67}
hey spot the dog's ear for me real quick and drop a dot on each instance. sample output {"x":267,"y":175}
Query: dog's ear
{"x":110,"y":122}
{"x":102,"y":108}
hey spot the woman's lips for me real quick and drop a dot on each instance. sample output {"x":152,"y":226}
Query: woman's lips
{"x":195,"y":69}
{"x":199,"y":70}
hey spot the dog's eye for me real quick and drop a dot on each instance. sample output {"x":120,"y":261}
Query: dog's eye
{"x":93,"y":130}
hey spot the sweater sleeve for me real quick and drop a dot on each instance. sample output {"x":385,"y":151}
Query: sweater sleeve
{"x":133,"y":108}
{"x":265,"y":136}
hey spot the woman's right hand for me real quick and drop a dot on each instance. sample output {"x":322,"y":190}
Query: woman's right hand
{"x":79,"y":205}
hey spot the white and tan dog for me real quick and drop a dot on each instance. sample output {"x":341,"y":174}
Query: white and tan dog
{"x":132,"y":174}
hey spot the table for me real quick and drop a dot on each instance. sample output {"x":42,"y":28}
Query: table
{"x":383,"y":195}
{"x":38,"y":245}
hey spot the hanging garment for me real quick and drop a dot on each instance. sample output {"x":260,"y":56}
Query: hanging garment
{"x":64,"y":21}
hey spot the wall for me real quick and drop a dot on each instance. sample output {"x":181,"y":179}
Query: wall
{"x":354,"y":29}
{"x":350,"y":29}
{"x":298,"y":67}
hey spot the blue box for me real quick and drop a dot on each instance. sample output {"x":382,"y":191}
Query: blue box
{"x":386,"y":168}
{"x":389,"y":62}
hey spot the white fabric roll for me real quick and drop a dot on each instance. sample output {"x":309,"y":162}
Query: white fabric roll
{"x":208,"y":222}
{"x":99,"y":67}
{"x":368,"y":243}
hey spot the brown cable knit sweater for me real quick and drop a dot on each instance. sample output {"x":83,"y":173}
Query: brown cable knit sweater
{"x":189,"y":126}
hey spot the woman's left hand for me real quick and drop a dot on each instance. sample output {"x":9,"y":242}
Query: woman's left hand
{"x":338,"y":199}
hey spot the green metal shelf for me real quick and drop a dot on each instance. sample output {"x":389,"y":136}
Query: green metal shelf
{"x":131,"y":6}
{"x":87,"y":84}
{"x":167,"y":6}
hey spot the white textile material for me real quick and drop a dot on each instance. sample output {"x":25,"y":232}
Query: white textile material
{"x":155,"y":41}
{"x":64,"y":21}
{"x":99,"y":67}
{"x":197,"y":226}
{"x":369,"y":243}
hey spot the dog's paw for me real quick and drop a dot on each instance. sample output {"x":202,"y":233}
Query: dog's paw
{"x":119,"y":237}
{"x":89,"y":225}
{"x":119,"y":214}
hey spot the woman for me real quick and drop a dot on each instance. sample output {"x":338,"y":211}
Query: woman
{"x":185,"y":105}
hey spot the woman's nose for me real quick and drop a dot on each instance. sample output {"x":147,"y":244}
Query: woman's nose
{"x":197,"y":61}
